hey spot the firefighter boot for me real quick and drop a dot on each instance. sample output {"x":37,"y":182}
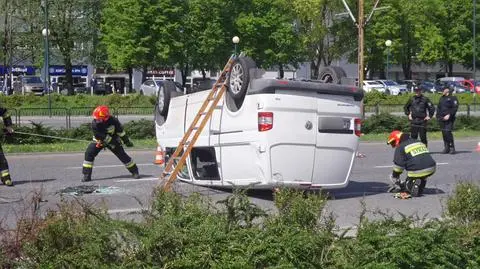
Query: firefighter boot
{"x":446,"y":149}
{"x":87,"y":175}
{"x":134,"y":171}
{"x":7,"y":181}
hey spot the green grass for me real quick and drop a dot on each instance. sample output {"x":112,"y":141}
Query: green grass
{"x":71,"y":146}
{"x":430,"y":135}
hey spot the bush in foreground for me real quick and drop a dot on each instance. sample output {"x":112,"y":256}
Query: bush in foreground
{"x":194,"y":232}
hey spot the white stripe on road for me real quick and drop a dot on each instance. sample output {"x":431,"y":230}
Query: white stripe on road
{"x":390,"y":166}
{"x":110,"y":166}
{"x":126,"y":210}
{"x":136,"y":180}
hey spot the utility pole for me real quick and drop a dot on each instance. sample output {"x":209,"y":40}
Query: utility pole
{"x":361,"y":27}
{"x":474,"y":60}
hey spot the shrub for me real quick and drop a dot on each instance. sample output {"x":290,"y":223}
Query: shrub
{"x":464,"y":205}
{"x":141,"y":129}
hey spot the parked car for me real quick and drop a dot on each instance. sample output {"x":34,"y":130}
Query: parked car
{"x":31,"y":84}
{"x":469,"y":84}
{"x":457,"y":86}
{"x":152,"y":87}
{"x":369,"y":85}
{"x":266,"y":132}
{"x":410,"y":83}
{"x":427,"y":86}
{"x":392,"y":87}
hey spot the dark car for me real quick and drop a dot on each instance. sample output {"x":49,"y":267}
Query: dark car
{"x":427,"y":86}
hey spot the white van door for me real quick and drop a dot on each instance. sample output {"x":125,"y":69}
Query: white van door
{"x":337,"y":139}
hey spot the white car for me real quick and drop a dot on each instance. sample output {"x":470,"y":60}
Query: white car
{"x":369,"y":85}
{"x":392,"y":87}
{"x":267,"y":133}
{"x":152,"y":86}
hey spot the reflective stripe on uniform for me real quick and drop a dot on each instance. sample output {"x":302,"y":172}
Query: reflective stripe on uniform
{"x":111,"y":129}
{"x":87,"y":164}
{"x":108,"y":139}
{"x":5,"y":173}
{"x":130,"y":164}
{"x":413,"y":146}
{"x":397,"y":168}
{"x":121,"y":134}
{"x":422,"y":173}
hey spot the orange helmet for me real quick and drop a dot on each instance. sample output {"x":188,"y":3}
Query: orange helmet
{"x":394,"y":138}
{"x":101,"y":113}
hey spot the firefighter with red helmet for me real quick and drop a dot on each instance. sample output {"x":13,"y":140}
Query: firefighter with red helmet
{"x":413,"y":156}
{"x":107,"y":133}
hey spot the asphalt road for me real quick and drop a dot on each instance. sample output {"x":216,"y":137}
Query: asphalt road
{"x":52,"y":174}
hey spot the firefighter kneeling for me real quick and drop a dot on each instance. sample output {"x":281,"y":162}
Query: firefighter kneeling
{"x":414,"y":157}
{"x":108,"y":133}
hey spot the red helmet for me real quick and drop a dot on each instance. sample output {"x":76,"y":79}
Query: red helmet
{"x":101,"y":113}
{"x":394,"y":138}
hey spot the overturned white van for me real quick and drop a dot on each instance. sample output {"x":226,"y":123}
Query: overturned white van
{"x":266,"y":133}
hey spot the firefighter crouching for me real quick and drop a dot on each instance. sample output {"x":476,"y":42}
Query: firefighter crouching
{"x":108,"y":133}
{"x":7,"y":122}
{"x":414,"y":157}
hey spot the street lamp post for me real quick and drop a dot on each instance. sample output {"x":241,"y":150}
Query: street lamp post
{"x":46,"y":33}
{"x":474,"y":60}
{"x":235,"y":41}
{"x":388,"y":43}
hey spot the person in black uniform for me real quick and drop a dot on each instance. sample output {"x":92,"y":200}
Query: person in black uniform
{"x":414,"y":157}
{"x":446,"y":111}
{"x":7,"y":122}
{"x":419,"y":110}
{"x":108,"y":133}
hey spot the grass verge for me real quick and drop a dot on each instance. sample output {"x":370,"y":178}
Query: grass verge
{"x":430,"y":135}
{"x":70,"y":146}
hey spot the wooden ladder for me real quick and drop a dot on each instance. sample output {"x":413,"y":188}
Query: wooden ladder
{"x":190,"y":137}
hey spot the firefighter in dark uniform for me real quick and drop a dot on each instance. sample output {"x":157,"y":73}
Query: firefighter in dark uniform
{"x":108,"y":133}
{"x":419,"y":110}
{"x":7,"y":122}
{"x":446,"y":111}
{"x":414,"y":157}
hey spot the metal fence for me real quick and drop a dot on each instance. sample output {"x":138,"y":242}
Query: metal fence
{"x":62,"y":117}
{"x":73,"y":117}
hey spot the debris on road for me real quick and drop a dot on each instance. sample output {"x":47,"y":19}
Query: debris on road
{"x":360,"y":155}
{"x":88,"y":189}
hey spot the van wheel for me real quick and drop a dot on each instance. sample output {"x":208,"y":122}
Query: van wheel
{"x":332,"y":74}
{"x":163,"y":97}
{"x":240,"y":77}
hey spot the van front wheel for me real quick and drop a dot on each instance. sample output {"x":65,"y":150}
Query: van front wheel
{"x":240,"y":77}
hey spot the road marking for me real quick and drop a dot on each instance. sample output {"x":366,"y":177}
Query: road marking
{"x":390,"y":166}
{"x":110,"y":166}
{"x":136,"y":180}
{"x":126,"y":210}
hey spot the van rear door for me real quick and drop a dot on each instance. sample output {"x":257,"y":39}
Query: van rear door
{"x":338,"y":118}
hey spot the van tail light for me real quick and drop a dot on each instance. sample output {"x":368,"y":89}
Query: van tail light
{"x":358,"y":127}
{"x":265,"y":121}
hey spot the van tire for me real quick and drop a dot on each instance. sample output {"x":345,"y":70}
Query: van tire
{"x":163,"y":98}
{"x":332,"y":74}
{"x":240,"y":77}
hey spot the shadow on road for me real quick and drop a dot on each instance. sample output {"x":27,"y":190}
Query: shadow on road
{"x":457,"y":152}
{"x":359,"y":189}
{"x":20,"y":182}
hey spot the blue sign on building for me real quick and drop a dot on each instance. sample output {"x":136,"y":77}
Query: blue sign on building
{"x":59,"y":70}
{"x":18,"y":70}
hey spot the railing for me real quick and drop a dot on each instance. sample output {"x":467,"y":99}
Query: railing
{"x":74,"y":116}
{"x":63,"y":117}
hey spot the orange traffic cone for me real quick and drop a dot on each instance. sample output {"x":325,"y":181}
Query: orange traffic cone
{"x":478,"y":147}
{"x":159,"y":156}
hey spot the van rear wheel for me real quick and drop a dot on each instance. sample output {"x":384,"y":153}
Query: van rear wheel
{"x":164,"y":95}
{"x":332,"y":74}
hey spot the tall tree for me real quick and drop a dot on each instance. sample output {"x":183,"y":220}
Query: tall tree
{"x":70,"y":31}
{"x":269,"y":34}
